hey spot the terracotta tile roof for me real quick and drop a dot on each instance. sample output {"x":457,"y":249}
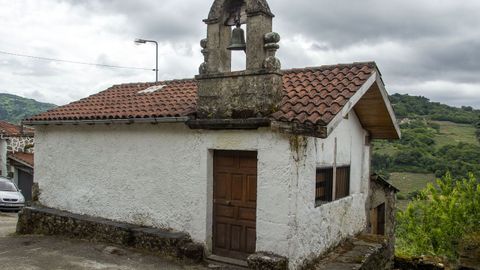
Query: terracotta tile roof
{"x":26,"y":158}
{"x":316,"y":95}
{"x":11,"y":130}
{"x":311,"y":96}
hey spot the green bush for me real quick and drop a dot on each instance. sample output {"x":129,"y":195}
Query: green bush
{"x":438,"y":218}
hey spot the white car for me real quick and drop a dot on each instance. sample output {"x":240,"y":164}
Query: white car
{"x":10,"y":196}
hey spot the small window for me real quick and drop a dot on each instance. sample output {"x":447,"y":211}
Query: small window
{"x":324,"y":184}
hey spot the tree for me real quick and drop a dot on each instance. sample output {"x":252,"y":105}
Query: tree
{"x":438,"y":218}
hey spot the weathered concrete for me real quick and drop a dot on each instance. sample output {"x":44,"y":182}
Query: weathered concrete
{"x":365,"y":252}
{"x":54,"y":222}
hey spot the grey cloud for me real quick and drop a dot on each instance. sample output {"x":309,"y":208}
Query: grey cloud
{"x":414,"y":42}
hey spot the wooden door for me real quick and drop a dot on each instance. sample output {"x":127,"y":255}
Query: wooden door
{"x":25,"y":183}
{"x":234,"y":203}
{"x":381,"y":219}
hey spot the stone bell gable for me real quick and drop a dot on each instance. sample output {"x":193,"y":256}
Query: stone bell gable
{"x":254,"y":92}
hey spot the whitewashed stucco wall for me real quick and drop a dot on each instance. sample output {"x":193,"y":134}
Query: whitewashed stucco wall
{"x":316,"y":229}
{"x":159,"y":175}
{"x":3,"y":157}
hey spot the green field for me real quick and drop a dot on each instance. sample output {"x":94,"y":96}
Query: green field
{"x":409,"y":182}
{"x":452,"y":133}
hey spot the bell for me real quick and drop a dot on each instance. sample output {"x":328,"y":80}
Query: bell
{"x":238,"y":40}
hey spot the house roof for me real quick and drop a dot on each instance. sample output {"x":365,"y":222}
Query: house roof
{"x":311,"y":96}
{"x":11,"y":130}
{"x":24,"y":158}
{"x":379,"y":179}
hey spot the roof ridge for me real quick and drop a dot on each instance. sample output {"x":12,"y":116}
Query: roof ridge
{"x":154,"y":83}
{"x":372,"y":64}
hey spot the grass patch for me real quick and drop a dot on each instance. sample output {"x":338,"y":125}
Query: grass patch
{"x":384,"y":148}
{"x":410,"y":182}
{"x":452,"y":133}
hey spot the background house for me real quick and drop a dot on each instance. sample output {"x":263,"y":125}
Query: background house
{"x":257,"y":160}
{"x":16,"y":155}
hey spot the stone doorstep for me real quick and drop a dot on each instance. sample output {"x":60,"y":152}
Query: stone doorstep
{"x":229,"y":263}
{"x":33,"y":220}
{"x":267,"y":261}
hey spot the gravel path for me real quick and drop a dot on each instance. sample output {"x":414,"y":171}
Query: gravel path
{"x":40,"y":252}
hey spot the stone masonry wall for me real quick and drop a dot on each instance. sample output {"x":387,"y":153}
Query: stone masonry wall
{"x":55,"y":222}
{"x":20,"y":144}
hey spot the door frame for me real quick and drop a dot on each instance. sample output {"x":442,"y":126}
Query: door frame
{"x":210,"y":195}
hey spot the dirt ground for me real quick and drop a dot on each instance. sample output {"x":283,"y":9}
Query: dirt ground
{"x":52,"y":253}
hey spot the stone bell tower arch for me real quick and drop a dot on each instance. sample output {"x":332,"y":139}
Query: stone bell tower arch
{"x":254,"y":92}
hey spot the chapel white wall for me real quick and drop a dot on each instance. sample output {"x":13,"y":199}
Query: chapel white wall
{"x":160,"y":175}
{"x":316,"y":229}
{"x":3,"y":157}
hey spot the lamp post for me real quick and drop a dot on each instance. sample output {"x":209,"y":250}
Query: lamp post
{"x":143,"y":41}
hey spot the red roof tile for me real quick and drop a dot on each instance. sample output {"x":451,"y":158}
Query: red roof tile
{"x":26,"y":158}
{"x":11,"y":130}
{"x":311,"y":96}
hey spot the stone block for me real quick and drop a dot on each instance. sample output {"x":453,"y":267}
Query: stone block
{"x":191,"y":251}
{"x":47,"y":221}
{"x":267,"y":261}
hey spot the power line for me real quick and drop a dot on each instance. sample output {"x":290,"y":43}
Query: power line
{"x":72,"y":62}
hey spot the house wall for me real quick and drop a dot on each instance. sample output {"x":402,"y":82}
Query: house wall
{"x":316,"y":229}
{"x":18,"y":144}
{"x":3,"y":157}
{"x":159,"y":175}
{"x":379,"y":194}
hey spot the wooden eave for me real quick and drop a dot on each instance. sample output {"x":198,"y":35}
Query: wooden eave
{"x":374,"y":110}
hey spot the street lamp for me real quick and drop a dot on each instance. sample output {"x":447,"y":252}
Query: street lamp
{"x":143,"y":41}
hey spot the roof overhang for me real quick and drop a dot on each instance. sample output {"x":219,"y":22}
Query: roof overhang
{"x":109,"y":121}
{"x":19,"y":163}
{"x":374,"y":110}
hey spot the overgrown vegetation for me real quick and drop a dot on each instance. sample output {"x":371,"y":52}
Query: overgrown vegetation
{"x":418,"y":152}
{"x":427,"y":145}
{"x":14,"y":108}
{"x":438,"y":218}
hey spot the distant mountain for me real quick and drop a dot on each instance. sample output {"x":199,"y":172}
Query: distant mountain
{"x":14,"y":108}
{"x":415,"y":107}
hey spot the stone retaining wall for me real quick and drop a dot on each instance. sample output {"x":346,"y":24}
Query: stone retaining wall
{"x":33,"y":220}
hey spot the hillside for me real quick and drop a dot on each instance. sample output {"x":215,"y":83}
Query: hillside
{"x":14,"y":108}
{"x":436,"y":139}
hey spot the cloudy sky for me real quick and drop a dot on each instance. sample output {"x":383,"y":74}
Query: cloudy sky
{"x":428,"y":47}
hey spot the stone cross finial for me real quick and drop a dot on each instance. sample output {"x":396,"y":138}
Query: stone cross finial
{"x":204,"y":66}
{"x":272,"y":63}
